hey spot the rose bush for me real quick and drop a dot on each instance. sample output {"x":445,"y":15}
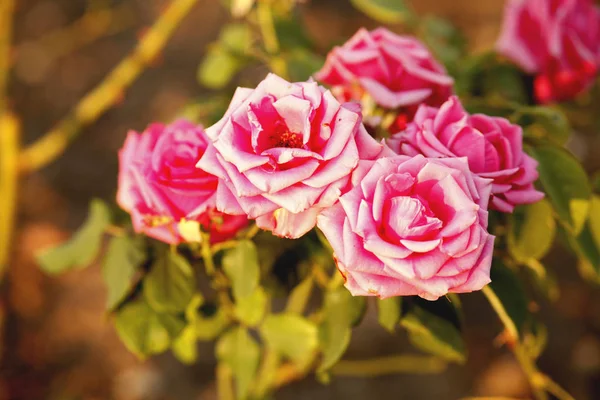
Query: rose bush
{"x":160,"y":186}
{"x":396,"y":71}
{"x":283,"y":152}
{"x":412,"y":226}
{"x":492,"y":145}
{"x":401,"y":209}
{"x":558,"y":41}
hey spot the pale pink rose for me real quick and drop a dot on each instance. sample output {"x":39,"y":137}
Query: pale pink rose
{"x":493,"y":146}
{"x":159,"y":184}
{"x":556,"y":40}
{"x":283,"y":152}
{"x":396,"y":71}
{"x":412,"y":226}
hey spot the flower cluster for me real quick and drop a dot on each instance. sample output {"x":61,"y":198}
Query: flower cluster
{"x":556,"y":40}
{"x":406,"y":215}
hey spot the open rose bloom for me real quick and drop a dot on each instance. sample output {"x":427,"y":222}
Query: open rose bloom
{"x":283,"y":152}
{"x":492,"y":145}
{"x":556,"y":40}
{"x":160,"y":186}
{"x":412,"y":226}
{"x":396,"y":71}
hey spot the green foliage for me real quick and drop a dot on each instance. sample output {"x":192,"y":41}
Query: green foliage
{"x":250,"y":310}
{"x":226,"y":56}
{"x":302,"y":64}
{"x":291,"y":335}
{"x":434,"y":334}
{"x":342,"y":310}
{"x":218,"y":68}
{"x":386,"y":11}
{"x":123,"y":258}
{"x":242,"y":268}
{"x":445,"y":41}
{"x":238,"y":350}
{"x":566,"y":184}
{"x":509,"y":289}
{"x":185,"y":346}
{"x":144,"y":331}
{"x":299,"y":296}
{"x":170,"y":284}
{"x":531,"y":231}
{"x":389,"y":312}
{"x":543,"y":122}
{"x":587,"y":244}
{"x":83,"y":247}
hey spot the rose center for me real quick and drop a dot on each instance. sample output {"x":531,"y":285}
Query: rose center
{"x":286,"y":139}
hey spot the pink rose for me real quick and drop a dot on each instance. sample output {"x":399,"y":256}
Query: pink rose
{"x":159,"y":184}
{"x":412,"y":226}
{"x":492,"y":145}
{"x":396,"y":71}
{"x":557,"y":40}
{"x":284,"y":151}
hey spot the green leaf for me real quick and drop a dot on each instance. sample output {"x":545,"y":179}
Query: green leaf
{"x":208,"y":328}
{"x":566,"y":184}
{"x":386,"y":11}
{"x":236,"y":37}
{"x":543,"y":281}
{"x":218,"y":68}
{"x":445,"y":41}
{"x":342,"y":310}
{"x":531,"y":231}
{"x":299,"y":296}
{"x":291,"y":335}
{"x":433,"y":334}
{"x":251,"y":309}
{"x":141,"y":330}
{"x":83,"y":247}
{"x":123,"y":257}
{"x":594,"y":219}
{"x":587,"y":244}
{"x":389,"y":313}
{"x":504,"y":81}
{"x":509,"y":289}
{"x":242,"y":268}
{"x":170,"y":284}
{"x":302,"y":64}
{"x":185,"y":347}
{"x":544,"y":122}
{"x":241,"y":353}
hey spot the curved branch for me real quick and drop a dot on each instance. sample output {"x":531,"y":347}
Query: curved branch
{"x":105,"y":95}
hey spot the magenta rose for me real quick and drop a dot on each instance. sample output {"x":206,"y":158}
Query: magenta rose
{"x":412,"y":226}
{"x":396,"y":71}
{"x":159,"y":184}
{"x":492,"y":145}
{"x":556,"y":40}
{"x":283,"y":152}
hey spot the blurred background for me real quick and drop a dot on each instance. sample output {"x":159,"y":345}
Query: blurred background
{"x":57,"y":342}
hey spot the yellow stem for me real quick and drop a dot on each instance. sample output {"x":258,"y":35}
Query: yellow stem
{"x":269,"y":35}
{"x":527,"y":364}
{"x":6,"y":17}
{"x":267,"y":27}
{"x":556,"y":390}
{"x":398,"y":364}
{"x":9,"y":156}
{"x":267,"y":373}
{"x":225,"y":382}
{"x":207,"y":255}
{"x":101,"y":98}
{"x":93,"y":25}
